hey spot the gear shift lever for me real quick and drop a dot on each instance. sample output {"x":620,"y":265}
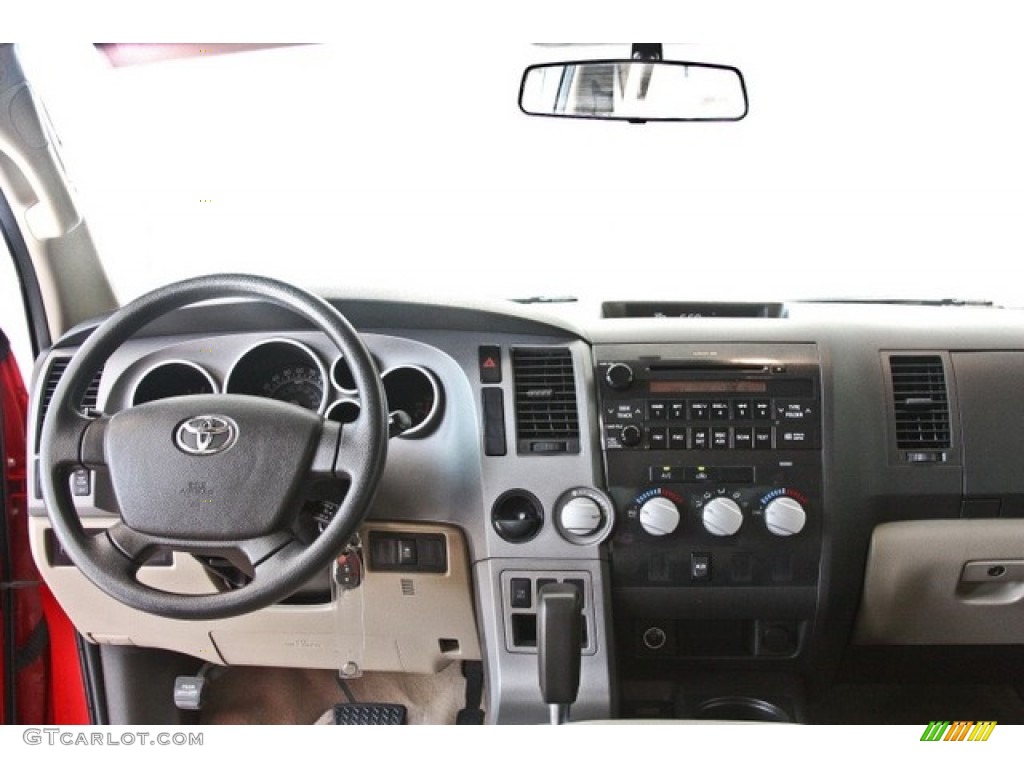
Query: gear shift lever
{"x":559,"y":647}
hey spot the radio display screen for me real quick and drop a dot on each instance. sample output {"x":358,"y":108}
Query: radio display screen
{"x":703,"y":385}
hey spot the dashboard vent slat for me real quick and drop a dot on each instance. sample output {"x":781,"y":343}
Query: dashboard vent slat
{"x":57,"y":368}
{"x":920,"y":403}
{"x":547,"y":415}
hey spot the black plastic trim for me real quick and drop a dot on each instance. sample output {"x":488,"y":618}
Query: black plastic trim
{"x":92,"y":675}
{"x":365,"y":314}
{"x":31,"y":294}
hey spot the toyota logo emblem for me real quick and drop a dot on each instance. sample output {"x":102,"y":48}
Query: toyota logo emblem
{"x":206,"y":435}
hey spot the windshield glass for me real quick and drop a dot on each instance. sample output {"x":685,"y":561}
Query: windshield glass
{"x":888,"y":167}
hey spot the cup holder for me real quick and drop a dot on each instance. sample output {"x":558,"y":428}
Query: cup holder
{"x":741,"y":708}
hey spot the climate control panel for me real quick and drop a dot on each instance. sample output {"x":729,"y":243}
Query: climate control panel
{"x":713,"y":456}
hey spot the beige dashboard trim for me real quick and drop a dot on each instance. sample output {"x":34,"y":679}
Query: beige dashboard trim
{"x":395,"y":622}
{"x":944,"y":582}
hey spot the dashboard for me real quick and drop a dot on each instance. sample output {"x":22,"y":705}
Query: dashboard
{"x":745,"y":496}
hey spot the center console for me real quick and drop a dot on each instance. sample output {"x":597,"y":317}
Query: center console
{"x":713,"y":458}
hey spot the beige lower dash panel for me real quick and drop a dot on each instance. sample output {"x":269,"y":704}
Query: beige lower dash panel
{"x":944,"y":582}
{"x":398,"y":622}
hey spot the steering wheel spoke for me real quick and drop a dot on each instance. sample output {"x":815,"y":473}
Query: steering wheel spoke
{"x":119,"y":549}
{"x":78,"y":441}
{"x":263,"y":550}
{"x":92,"y":449}
{"x":325,"y":455}
{"x":352,"y":446}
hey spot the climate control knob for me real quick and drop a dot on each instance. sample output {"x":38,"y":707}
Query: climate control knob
{"x":722,"y":516}
{"x":619,"y":376}
{"x":659,"y":516}
{"x":785,"y":516}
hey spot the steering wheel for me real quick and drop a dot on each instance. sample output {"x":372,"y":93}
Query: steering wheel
{"x":211,"y":474}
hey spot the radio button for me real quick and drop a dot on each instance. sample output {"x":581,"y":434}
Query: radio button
{"x":657,"y":410}
{"x":626,"y":410}
{"x":701,"y":438}
{"x":792,"y":410}
{"x":720,"y":438}
{"x":763,"y":438}
{"x":762,"y":410}
{"x":797,"y":436}
{"x":720,"y":410}
{"x":742,"y":438}
{"x":677,"y":410}
{"x":741,"y":410}
{"x":657,"y":438}
{"x":699,"y":410}
{"x":677,"y":439}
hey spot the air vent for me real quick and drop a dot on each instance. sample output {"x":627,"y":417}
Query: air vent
{"x":920,"y":406}
{"x":547,"y":420}
{"x":53,"y":376}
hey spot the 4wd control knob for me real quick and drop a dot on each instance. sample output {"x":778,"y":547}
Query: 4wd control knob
{"x":659,"y":516}
{"x":581,"y":516}
{"x":619,"y":376}
{"x":722,"y":516}
{"x":785,"y":516}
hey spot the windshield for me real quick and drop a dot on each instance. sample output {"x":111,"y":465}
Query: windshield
{"x":866,"y":168}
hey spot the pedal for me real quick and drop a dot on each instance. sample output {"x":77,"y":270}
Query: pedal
{"x":369,"y":714}
{"x":190,"y":690}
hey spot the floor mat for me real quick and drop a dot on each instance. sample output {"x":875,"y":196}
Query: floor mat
{"x":258,"y":695}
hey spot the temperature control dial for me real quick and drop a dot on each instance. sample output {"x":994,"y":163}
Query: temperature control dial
{"x":785,"y":516}
{"x":659,"y":516}
{"x":722,"y":516}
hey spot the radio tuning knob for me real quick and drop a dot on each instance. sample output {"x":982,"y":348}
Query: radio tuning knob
{"x":659,"y":516}
{"x":630,"y":435}
{"x":785,"y":516}
{"x":722,"y":516}
{"x":619,"y":376}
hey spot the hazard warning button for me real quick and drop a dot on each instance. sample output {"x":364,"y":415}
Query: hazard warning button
{"x":490,"y":364}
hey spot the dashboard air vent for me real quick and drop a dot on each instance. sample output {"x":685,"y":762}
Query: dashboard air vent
{"x":547,"y":420}
{"x":53,"y":376}
{"x":920,"y":406}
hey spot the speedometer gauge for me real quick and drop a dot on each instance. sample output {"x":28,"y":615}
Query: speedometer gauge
{"x":280,"y":369}
{"x":300,"y":385}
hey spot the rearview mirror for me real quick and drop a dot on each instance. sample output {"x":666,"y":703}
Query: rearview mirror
{"x":633,"y":90}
